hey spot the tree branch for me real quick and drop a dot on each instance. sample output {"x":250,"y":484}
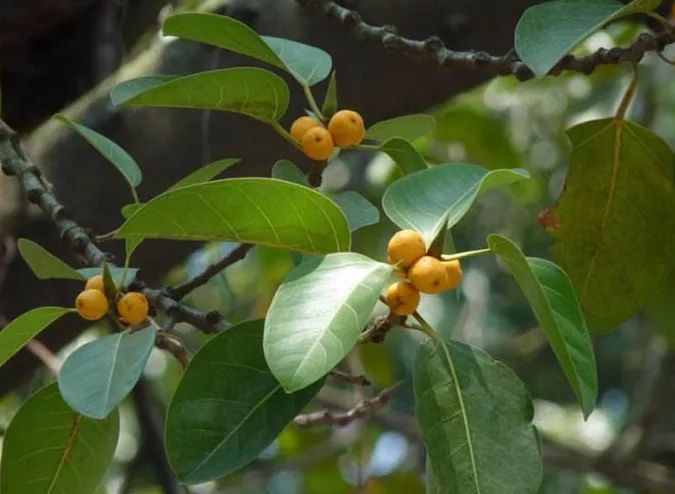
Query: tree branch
{"x":433,"y":49}
{"x":15,"y":163}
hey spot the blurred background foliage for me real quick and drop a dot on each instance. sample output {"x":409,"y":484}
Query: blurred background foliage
{"x":504,"y":123}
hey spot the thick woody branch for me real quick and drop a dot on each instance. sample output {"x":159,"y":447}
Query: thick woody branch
{"x":15,"y":163}
{"x":360,"y":410}
{"x":433,"y":49}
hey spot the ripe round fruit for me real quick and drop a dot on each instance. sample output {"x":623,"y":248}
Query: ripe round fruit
{"x":402,"y":298}
{"x":91,"y":304}
{"x":429,"y":275}
{"x":133,"y":307}
{"x":302,"y":125}
{"x":405,"y":247}
{"x":347,"y":128}
{"x":454,"y":271}
{"x":95,"y":283}
{"x":317,"y":143}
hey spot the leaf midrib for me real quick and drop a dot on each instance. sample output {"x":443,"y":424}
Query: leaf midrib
{"x":70,"y":443}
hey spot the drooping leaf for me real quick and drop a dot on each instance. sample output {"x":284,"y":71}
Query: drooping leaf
{"x":330,"y":102}
{"x":424,"y":201}
{"x":615,"y":216}
{"x":96,"y":377}
{"x":110,"y":150}
{"x":547,"y":32}
{"x":307,"y":64}
{"x":358,"y":210}
{"x":409,"y":127}
{"x":475,"y":416}
{"x":116,"y":273}
{"x":43,"y":263}
{"x":254,"y":92}
{"x":228,"y":406}
{"x":254,"y":210}
{"x":48,"y":448}
{"x":205,"y":173}
{"x":554,"y":303}
{"x":289,"y":171}
{"x":24,"y":328}
{"x":317,"y":314}
{"x":407,"y":158}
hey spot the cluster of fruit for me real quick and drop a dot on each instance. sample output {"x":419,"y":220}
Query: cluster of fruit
{"x":427,"y":274}
{"x":92,"y":303}
{"x":345,"y":129}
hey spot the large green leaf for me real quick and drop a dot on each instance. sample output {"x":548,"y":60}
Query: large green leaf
{"x":44,"y":264}
{"x":407,"y":158}
{"x":50,"y":449}
{"x":205,"y":173}
{"x":547,"y":32}
{"x":307,"y":64}
{"x":357,"y":209}
{"x":614,"y":221}
{"x":96,"y":377}
{"x":255,"y":210}
{"x":425,"y":201}
{"x":475,"y":416}
{"x":228,"y":407}
{"x":254,"y":92}
{"x":409,"y":127}
{"x":110,"y":150}
{"x":317,"y":315}
{"x":554,"y":303}
{"x":24,"y":328}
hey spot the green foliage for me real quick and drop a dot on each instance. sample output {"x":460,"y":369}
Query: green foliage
{"x":48,"y":448}
{"x":96,"y":377}
{"x":357,"y":209}
{"x":547,"y":32}
{"x":620,"y":250}
{"x":111,"y":151}
{"x":330,"y":102}
{"x":409,"y":127}
{"x":254,"y":92}
{"x":307,"y":64}
{"x":429,"y":200}
{"x":475,"y":416}
{"x":407,"y":158}
{"x":228,"y":407}
{"x":24,"y":328}
{"x":317,"y":315}
{"x":44,"y":264}
{"x":205,"y":173}
{"x":554,"y":302}
{"x":118,"y":274}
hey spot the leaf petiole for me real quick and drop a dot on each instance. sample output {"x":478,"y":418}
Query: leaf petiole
{"x":312,"y":102}
{"x":468,"y":253}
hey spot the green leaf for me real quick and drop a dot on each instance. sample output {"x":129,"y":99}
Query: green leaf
{"x":254,"y":210}
{"x":205,"y":173}
{"x":109,"y":285}
{"x":96,"y":377}
{"x":307,"y":64}
{"x":554,"y":303}
{"x":110,"y":150}
{"x":116,"y":273}
{"x":426,"y":200}
{"x":547,"y":32}
{"x":128,"y":90}
{"x":475,"y":416}
{"x":317,"y":315}
{"x":620,"y":250}
{"x":24,"y":328}
{"x":228,"y":407}
{"x":130,"y":209}
{"x":407,"y":158}
{"x":48,"y":448}
{"x":289,"y":171}
{"x":358,"y":210}
{"x":330,"y":102}
{"x":254,"y":92}
{"x":409,"y":127}
{"x":44,"y":264}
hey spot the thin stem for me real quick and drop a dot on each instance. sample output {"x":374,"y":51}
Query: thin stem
{"x":666,"y":23}
{"x":367,"y":147}
{"x":462,"y":255}
{"x":312,"y":102}
{"x":283,"y":133}
{"x":628,"y":96}
{"x":425,"y":327}
{"x":134,"y":194}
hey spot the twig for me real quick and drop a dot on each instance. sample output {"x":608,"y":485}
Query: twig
{"x":378,"y":329}
{"x":174,"y":346}
{"x":361,"y":410}
{"x":433,"y":49}
{"x":39,"y":192}
{"x":45,"y":356}
{"x":237,"y":254}
{"x":358,"y":380}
